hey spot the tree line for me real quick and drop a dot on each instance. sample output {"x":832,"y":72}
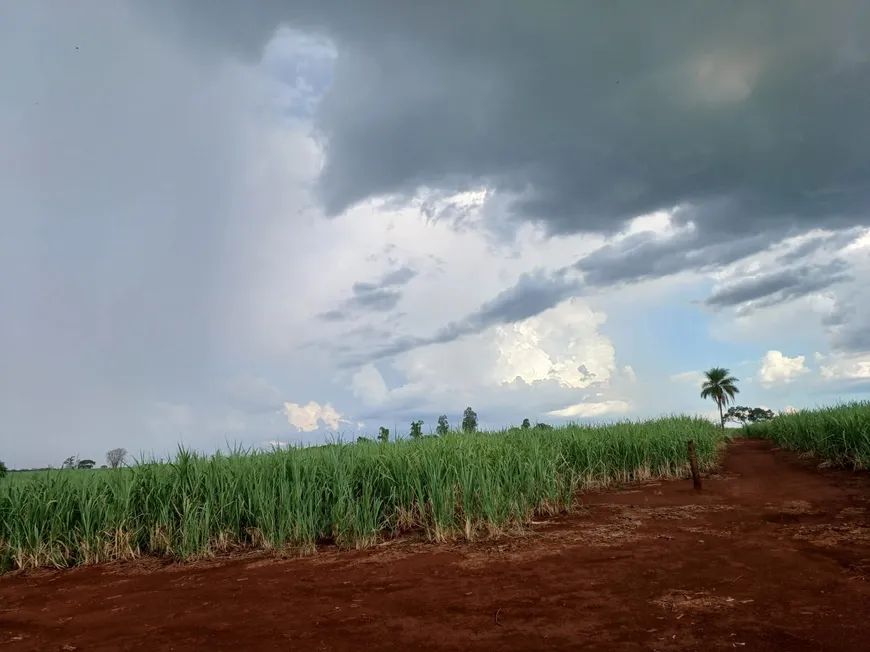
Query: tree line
{"x":718,"y":385}
{"x":467,"y":426}
{"x":115,"y":458}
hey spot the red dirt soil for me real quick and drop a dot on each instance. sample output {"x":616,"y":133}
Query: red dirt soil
{"x":773,"y":554}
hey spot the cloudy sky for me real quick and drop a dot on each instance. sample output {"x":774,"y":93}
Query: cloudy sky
{"x":266,"y":221}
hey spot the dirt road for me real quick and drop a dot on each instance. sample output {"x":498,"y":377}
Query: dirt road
{"x":772,"y":555}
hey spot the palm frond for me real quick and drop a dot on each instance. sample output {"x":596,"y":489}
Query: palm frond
{"x":719,"y":385}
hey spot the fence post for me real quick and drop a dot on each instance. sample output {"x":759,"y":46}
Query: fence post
{"x":693,"y":462}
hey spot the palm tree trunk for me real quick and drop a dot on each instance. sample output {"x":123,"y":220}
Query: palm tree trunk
{"x":721,"y":416}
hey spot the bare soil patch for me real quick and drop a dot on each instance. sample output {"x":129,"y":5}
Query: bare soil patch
{"x":773,"y":554}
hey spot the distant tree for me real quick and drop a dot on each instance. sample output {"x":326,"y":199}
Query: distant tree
{"x":737,"y":414}
{"x":526,"y":424}
{"x":744,"y":415}
{"x":69,"y":463}
{"x":3,"y":470}
{"x":443,"y":426}
{"x":469,"y":420}
{"x":103,"y":466}
{"x":384,"y":434}
{"x":116,"y":457}
{"x":720,"y":386}
{"x":543,"y":426}
{"x":363,"y":440}
{"x":757,"y":415}
{"x":416,"y":429}
{"x":85,"y":464}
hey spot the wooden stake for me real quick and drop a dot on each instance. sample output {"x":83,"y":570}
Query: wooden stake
{"x":693,"y":462}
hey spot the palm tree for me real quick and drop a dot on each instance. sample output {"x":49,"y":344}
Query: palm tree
{"x":721,"y":386}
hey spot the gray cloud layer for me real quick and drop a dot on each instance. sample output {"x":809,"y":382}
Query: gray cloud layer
{"x":749,"y":116}
{"x":531,"y":295}
{"x":591,"y":114}
{"x":381,"y":296}
{"x":780,"y":286}
{"x":118,"y":179}
{"x":645,"y":256}
{"x":850,"y":322}
{"x":831,"y":243}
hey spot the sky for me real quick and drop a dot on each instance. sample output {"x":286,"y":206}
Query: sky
{"x":277,"y":222}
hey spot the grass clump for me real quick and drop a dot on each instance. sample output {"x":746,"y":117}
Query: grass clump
{"x":352,"y":495}
{"x":840,"y":435}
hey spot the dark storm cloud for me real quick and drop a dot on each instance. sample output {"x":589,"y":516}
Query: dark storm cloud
{"x":334,"y":315}
{"x":118,"y":184}
{"x":400,"y":276}
{"x":380,"y":299}
{"x":587,"y":113}
{"x":531,"y":295}
{"x":750,"y":116}
{"x":849,"y":324}
{"x":855,"y":339}
{"x":380,"y":296}
{"x":778,"y":287}
{"x":645,"y":256}
{"x":829,"y":242}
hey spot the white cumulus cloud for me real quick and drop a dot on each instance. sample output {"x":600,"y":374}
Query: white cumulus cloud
{"x":778,"y":368}
{"x":586,"y":410}
{"x":561,"y":344}
{"x":307,"y":418}
{"x":844,"y":367}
